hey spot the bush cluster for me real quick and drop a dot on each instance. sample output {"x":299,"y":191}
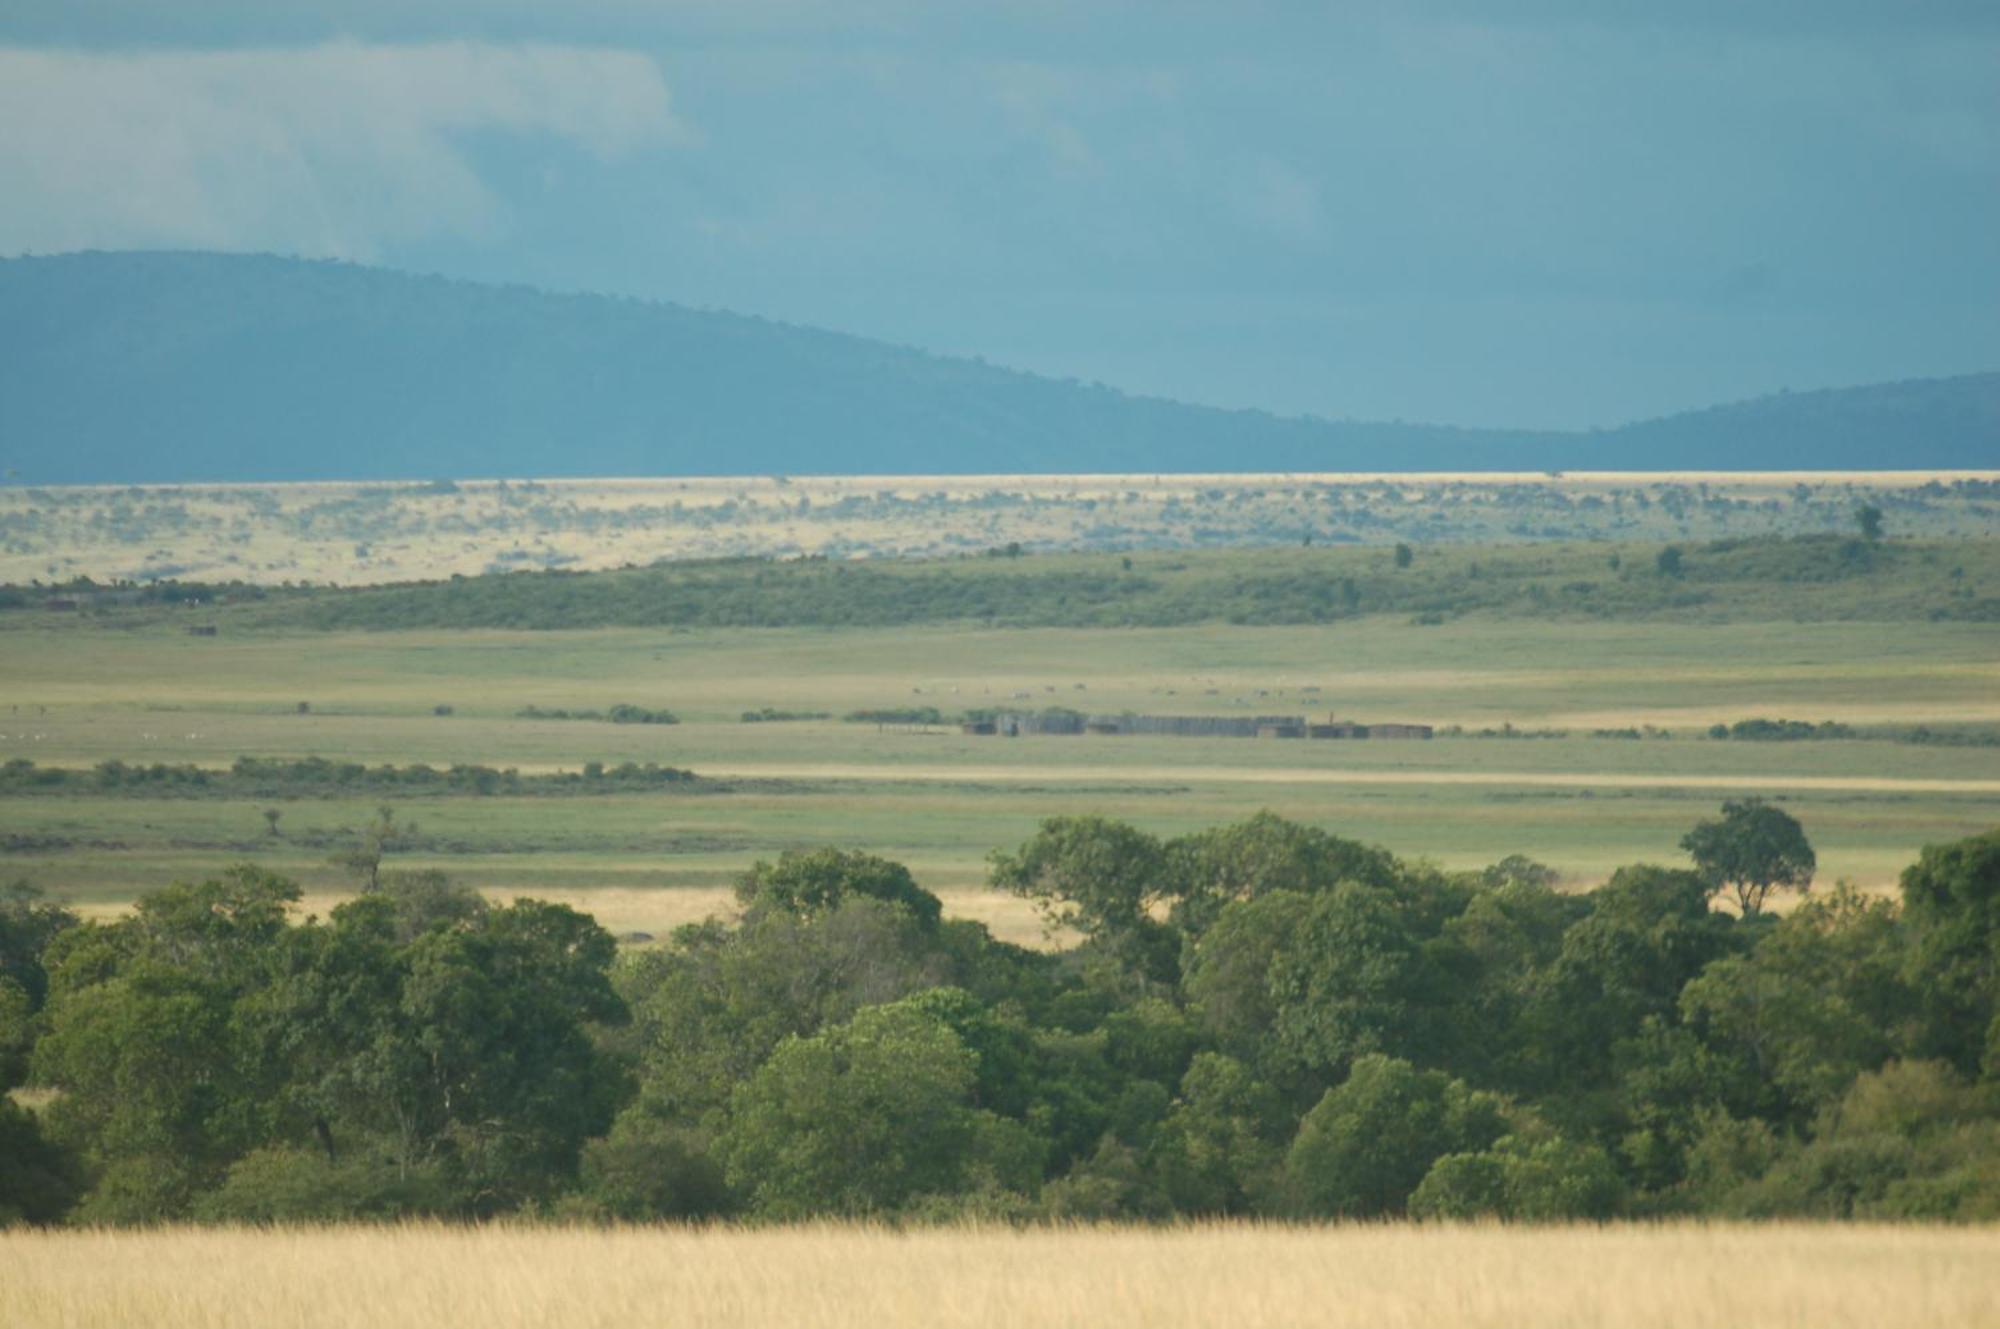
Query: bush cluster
{"x":622,"y":713}
{"x":1761,"y":730}
{"x":896,"y":715}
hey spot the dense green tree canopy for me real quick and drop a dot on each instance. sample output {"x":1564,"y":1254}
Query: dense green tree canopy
{"x":1262,"y":1019}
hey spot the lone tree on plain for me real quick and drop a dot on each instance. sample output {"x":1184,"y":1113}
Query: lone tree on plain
{"x":1869,"y":518}
{"x":381,"y":836}
{"x":1750,"y":850}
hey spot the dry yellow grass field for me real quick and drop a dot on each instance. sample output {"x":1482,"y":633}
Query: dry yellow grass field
{"x":830,"y":1277}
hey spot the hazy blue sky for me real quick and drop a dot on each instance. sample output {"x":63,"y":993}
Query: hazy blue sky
{"x":1545,"y":214}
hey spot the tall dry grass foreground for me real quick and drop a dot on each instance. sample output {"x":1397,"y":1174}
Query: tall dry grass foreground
{"x":820,"y":1277}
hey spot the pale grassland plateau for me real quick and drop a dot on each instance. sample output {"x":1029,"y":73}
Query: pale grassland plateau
{"x":1674,"y":1276}
{"x":352,"y":533}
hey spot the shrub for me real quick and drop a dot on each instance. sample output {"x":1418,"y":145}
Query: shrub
{"x":1547,"y":1181}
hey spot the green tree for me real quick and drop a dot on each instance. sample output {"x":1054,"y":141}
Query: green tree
{"x":1868,"y":518}
{"x":28,"y":923}
{"x":1751,"y":850}
{"x":38,"y":1179}
{"x":648,"y":1169}
{"x":1209,"y":869}
{"x":1103,"y":878}
{"x":159,"y":1089}
{"x":1669,"y":562}
{"x":1221,"y":1146}
{"x":1819,"y":1001}
{"x":862,"y":1118}
{"x":1228,"y":982}
{"x":379,"y":838}
{"x":1951,"y":908}
{"x":466,"y":1048}
{"x":150,"y":1091}
{"x":1913,"y":1140}
{"x":417,"y":1049}
{"x":1648,"y":932}
{"x":1370,"y":1140}
{"x":710,"y":1008}
{"x":1502,"y":949}
{"x":1097,"y":876}
{"x":1404,"y":556}
{"x":818,"y":880}
{"x":1357,"y":978}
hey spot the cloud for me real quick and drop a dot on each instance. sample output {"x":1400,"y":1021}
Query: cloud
{"x":337,"y":149}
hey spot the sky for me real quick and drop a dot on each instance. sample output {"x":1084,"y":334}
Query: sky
{"x":1547,"y":214}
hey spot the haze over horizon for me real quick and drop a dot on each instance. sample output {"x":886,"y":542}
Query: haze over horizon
{"x":1542,"y":215}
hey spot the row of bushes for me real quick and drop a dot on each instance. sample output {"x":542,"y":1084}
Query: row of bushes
{"x":270,"y":777}
{"x":896,"y":715}
{"x":622,"y":713}
{"x":1760,"y":730}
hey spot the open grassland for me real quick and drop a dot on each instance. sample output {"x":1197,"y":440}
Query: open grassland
{"x":939,"y":800}
{"x":827,"y":1277}
{"x":1475,"y":672}
{"x":1583,"y":737}
{"x":369,"y":533}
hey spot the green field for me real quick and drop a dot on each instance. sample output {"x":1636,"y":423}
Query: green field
{"x":138,"y":688}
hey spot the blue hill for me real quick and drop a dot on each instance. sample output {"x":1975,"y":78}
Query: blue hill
{"x":166,"y":367}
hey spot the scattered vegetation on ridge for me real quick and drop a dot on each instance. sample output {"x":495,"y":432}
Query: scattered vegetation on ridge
{"x":1804,"y":578}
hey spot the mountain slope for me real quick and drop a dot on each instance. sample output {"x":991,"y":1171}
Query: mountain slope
{"x":137,"y":367}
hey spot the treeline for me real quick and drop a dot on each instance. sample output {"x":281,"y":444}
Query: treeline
{"x":90,"y":593}
{"x":1259,"y":1019}
{"x":622,"y":713}
{"x":1805,"y":577}
{"x":273,"y":777}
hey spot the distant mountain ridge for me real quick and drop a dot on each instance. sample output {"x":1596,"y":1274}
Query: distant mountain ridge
{"x":193,"y":367}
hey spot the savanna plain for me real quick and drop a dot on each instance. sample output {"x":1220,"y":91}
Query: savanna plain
{"x":631,"y":742}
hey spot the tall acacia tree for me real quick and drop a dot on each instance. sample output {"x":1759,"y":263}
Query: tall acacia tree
{"x":1751,"y":850}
